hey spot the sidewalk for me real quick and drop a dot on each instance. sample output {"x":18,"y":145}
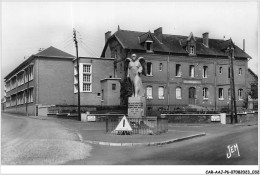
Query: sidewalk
{"x":94,"y":133}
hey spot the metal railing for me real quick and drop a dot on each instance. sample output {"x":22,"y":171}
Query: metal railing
{"x":145,"y":125}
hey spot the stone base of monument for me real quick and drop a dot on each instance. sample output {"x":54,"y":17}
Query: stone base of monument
{"x":136,"y":107}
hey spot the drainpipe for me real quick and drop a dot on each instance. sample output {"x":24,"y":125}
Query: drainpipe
{"x":215,"y":86}
{"x":168,"y":82}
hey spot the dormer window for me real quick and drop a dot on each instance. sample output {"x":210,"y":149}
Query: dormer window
{"x":148,"y":46}
{"x":147,"y":40}
{"x":192,"y":50}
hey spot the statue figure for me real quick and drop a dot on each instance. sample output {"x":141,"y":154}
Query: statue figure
{"x":136,"y":66}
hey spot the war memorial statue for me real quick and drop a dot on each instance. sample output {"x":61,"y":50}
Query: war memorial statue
{"x":136,"y":103}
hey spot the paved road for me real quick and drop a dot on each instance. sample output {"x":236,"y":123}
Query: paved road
{"x":207,"y":150}
{"x":37,"y":142}
{"x":33,"y":141}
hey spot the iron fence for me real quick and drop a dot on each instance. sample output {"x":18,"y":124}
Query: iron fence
{"x":145,"y":125}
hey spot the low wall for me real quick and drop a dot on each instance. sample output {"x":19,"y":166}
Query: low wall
{"x":189,"y":118}
{"x":85,"y":108}
{"x":243,"y":117}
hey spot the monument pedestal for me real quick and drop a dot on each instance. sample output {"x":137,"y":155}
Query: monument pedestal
{"x":136,"y":107}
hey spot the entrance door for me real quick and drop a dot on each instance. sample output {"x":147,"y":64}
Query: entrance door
{"x":192,"y":94}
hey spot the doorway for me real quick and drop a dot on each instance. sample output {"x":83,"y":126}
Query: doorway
{"x":192,"y":95}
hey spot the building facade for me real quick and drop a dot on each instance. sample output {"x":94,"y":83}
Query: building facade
{"x":49,"y":78}
{"x":182,"y":71}
{"x":252,"y":87}
{"x":98,"y":86}
{"x":39,"y":80}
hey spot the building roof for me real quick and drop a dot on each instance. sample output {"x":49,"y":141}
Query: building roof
{"x":172,"y":44}
{"x":250,"y":71}
{"x":50,"y":52}
{"x":54,"y":52}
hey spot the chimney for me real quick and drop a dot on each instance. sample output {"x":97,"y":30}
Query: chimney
{"x":205,"y":37}
{"x":244,"y":45}
{"x":158,"y":34}
{"x":107,"y":35}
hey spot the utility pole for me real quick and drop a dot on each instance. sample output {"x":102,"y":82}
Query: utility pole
{"x":76,"y":45}
{"x":232,"y":83}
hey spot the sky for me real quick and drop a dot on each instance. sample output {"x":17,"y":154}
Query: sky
{"x":28,"y":26}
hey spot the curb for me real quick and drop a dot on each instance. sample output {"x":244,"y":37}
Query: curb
{"x":144,"y":144}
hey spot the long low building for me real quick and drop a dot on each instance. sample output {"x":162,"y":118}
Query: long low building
{"x":182,"y":72}
{"x":49,"y":78}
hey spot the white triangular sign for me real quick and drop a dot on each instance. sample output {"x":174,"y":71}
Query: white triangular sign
{"x":123,"y":125}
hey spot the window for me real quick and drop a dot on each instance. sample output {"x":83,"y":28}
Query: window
{"x":178,"y":93}
{"x":178,"y":70}
{"x":229,"y":93}
{"x":160,"y":67}
{"x":115,"y":54}
{"x":20,"y":98}
{"x":113,"y":86}
{"x":192,"y":71}
{"x":149,"y":69}
{"x":240,"y":71}
{"x":86,"y":68}
{"x":221,"y":94}
{"x":98,"y":94}
{"x":148,"y":46}
{"x":149,"y":92}
{"x":192,"y":50}
{"x":240,"y":94}
{"x":161,"y":92}
{"x":26,"y":76}
{"x":220,"y":70}
{"x":30,"y":72}
{"x":205,"y":72}
{"x":228,"y":72}
{"x":86,"y":87}
{"x":29,"y":95}
{"x":205,"y":93}
{"x":87,"y":78}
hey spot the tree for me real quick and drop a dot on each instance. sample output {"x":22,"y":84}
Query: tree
{"x":254,"y":91}
{"x":126,"y":90}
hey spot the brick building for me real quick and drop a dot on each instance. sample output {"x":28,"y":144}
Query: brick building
{"x":49,"y":78}
{"x":252,"y":86}
{"x":39,"y":80}
{"x":182,"y":71}
{"x":98,"y":86}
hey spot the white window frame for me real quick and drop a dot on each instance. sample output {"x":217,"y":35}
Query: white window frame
{"x":161,"y":92}
{"x":205,"y":71}
{"x":220,"y":69}
{"x":240,"y":71}
{"x":160,"y":66}
{"x":178,"y":93}
{"x":222,"y":97}
{"x":192,"y":50}
{"x":178,"y":74}
{"x":85,"y":69}
{"x":240,"y":94}
{"x":205,"y":93}
{"x":150,"y":94}
{"x":192,"y":71}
